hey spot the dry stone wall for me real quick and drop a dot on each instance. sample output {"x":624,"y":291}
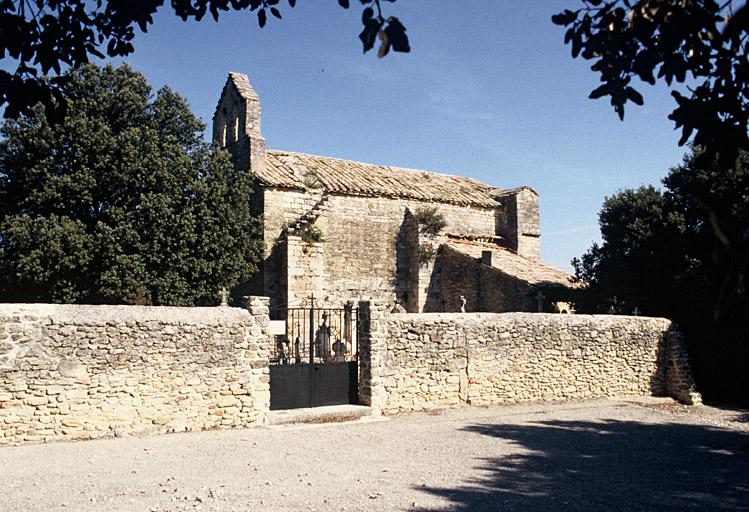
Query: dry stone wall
{"x":83,"y":372}
{"x":426,"y":361}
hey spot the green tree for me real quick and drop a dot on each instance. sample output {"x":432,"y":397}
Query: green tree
{"x":45,"y":35}
{"x":121,"y":198}
{"x":666,"y":254}
{"x":657,"y":246}
{"x":632,"y":267}
{"x":683,"y":253}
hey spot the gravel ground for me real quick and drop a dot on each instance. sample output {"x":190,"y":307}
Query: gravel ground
{"x":643,"y":454}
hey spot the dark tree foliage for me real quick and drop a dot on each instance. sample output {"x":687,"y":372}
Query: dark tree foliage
{"x":120,"y":199}
{"x":658,"y":248}
{"x":665,"y":254}
{"x":631,"y":267}
{"x":45,"y":36}
{"x":703,"y":44}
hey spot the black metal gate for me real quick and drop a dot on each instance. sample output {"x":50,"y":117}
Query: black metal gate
{"x":316,"y":360}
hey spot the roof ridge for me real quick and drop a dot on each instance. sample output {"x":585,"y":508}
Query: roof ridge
{"x":388,"y":166}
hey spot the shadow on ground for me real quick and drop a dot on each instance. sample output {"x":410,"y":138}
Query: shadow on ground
{"x":736,"y":412}
{"x":608,"y":465}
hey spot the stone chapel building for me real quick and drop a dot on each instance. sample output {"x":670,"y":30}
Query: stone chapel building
{"x":344,"y":230}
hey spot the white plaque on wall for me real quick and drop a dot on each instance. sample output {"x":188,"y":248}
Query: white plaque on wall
{"x":277,"y":327}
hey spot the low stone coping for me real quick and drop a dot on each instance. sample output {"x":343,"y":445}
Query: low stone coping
{"x":103,"y":314}
{"x":532,"y":318}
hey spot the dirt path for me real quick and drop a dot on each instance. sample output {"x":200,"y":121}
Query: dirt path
{"x":596,"y":455}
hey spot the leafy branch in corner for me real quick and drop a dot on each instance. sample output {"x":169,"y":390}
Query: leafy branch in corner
{"x":702,"y":44}
{"x":391,"y":32}
{"x":45,"y":36}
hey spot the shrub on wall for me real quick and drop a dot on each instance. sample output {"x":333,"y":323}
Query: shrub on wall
{"x":431,"y":221}
{"x":311,"y":234}
{"x":425,"y":253}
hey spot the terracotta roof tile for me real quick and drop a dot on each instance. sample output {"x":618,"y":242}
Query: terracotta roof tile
{"x":299,"y":170}
{"x":503,"y":259}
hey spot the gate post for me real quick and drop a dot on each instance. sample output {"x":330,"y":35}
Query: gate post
{"x":259,"y":308}
{"x":312,"y":329}
{"x":372,"y":348}
{"x":348,"y":310}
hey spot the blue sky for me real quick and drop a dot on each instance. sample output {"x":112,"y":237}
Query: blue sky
{"x":488,"y":91}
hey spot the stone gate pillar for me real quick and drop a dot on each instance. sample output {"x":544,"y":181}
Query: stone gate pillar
{"x":372,"y":350}
{"x":263,"y":348}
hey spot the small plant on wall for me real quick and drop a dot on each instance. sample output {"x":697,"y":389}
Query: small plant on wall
{"x":430,"y":220}
{"x":425,"y":253}
{"x":311,"y":234}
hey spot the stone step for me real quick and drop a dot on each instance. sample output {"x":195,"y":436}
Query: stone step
{"x":311,"y":215}
{"x":326,"y":414}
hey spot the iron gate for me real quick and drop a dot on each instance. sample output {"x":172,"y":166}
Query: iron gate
{"x":316,"y":360}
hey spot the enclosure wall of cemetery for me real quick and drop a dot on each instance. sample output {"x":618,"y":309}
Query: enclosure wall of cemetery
{"x":84,"y":372}
{"x":426,"y":361}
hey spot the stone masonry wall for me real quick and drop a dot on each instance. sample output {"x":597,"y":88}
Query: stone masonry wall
{"x":360,"y":252}
{"x":84,"y":372}
{"x":484,"y":288}
{"x":305,"y":274}
{"x":521,"y":228}
{"x":425,"y":361}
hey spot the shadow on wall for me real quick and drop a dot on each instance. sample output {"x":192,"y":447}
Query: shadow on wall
{"x":435,"y":300}
{"x":276,"y":280}
{"x":406,"y":275}
{"x":609,"y":465}
{"x":659,"y":379}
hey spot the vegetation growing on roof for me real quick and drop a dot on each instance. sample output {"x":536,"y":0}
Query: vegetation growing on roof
{"x":310,"y":181}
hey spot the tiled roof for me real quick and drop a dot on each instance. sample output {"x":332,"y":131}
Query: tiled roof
{"x":302,"y":171}
{"x":532,"y":271}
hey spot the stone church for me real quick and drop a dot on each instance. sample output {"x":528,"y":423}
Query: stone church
{"x":345,"y":230}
